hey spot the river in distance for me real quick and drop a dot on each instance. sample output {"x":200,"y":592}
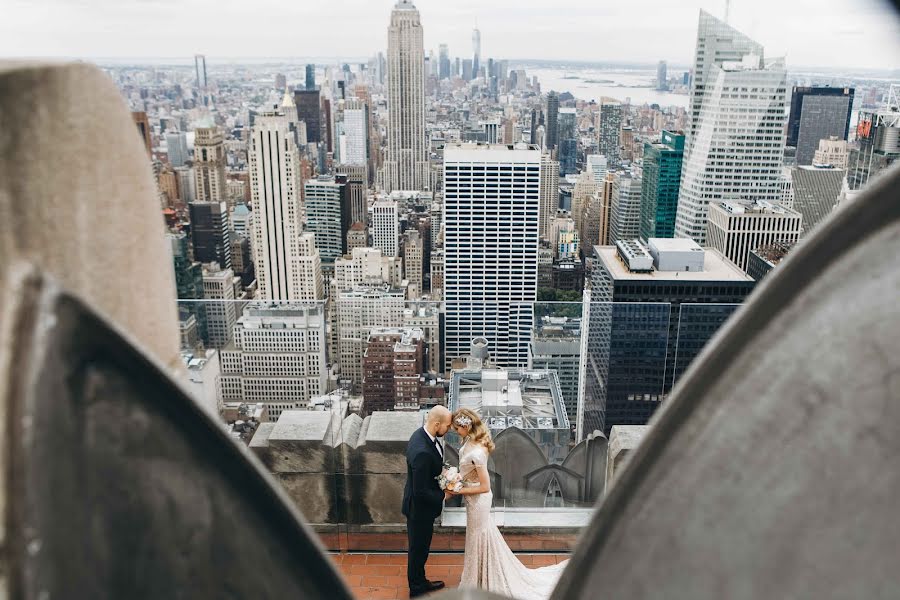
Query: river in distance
{"x":638,"y":85}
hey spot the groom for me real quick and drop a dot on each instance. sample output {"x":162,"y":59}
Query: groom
{"x":423,"y":499}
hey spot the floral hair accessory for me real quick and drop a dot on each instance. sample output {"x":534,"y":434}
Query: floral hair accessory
{"x":463,"y":421}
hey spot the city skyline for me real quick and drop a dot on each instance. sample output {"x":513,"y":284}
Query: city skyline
{"x":580,"y":32}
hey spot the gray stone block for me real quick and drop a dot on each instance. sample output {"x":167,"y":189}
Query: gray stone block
{"x":383,"y":449}
{"x":314,"y":495}
{"x":383,"y":497}
{"x":302,"y":442}
{"x":259,"y":444}
{"x":623,"y":439}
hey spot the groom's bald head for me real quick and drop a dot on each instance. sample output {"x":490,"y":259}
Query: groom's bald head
{"x":438,"y":421}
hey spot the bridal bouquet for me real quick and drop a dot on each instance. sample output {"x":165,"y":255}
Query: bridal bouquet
{"x":450,"y":479}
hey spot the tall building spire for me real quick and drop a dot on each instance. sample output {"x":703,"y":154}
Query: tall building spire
{"x":406,"y":166}
{"x":288,"y":100}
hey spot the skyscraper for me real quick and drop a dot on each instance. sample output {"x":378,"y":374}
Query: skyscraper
{"x":717,"y":42}
{"x":355,"y":177}
{"x":736,"y":144}
{"x":187,"y":184}
{"x":277,"y":357}
{"x":625,"y":207}
{"x":221,"y":309}
{"x":739,"y":145}
{"x":413,"y":258}
{"x":585,"y":187}
{"x":328,"y":216}
{"x":188,"y":283}
{"x":567,"y":143}
{"x":200,"y":71}
{"x":491,"y":210}
{"x":176,"y":148}
{"x":537,"y":117}
{"x":308,"y":282}
{"x":275,"y":189}
{"x":662,"y":80}
{"x":309,"y":111}
{"x":289,"y":108}
{"x":878,"y":137}
{"x":310,"y":77}
{"x":209,"y":165}
{"x":406,"y":166}
{"x":355,"y":139}
{"x":608,"y":140}
{"x":443,"y":61}
{"x":598,"y":165}
{"x":652,"y":311}
{"x":476,"y":53}
{"x":737,"y":227}
{"x":816,"y":192}
{"x":328,"y":123}
{"x":549,"y":193}
{"x":386,"y":226}
{"x":661,"y":180}
{"x":817,"y":113}
{"x":209,"y":233}
{"x":552,"y":112}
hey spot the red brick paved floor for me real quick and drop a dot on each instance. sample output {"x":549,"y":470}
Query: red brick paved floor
{"x":446,"y":541}
{"x":384,"y":575}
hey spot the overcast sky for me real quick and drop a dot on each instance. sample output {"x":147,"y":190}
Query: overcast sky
{"x":838,"y":33}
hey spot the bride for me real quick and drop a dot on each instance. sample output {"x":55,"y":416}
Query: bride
{"x":489,"y":563}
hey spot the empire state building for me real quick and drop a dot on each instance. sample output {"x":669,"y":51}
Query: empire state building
{"x":406,"y":166}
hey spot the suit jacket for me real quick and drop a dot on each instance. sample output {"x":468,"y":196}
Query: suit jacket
{"x":422,"y":497}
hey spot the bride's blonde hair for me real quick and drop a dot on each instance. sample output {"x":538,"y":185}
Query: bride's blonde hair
{"x":478,"y":431}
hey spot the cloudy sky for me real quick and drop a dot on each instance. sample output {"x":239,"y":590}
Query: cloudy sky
{"x":837,"y":33}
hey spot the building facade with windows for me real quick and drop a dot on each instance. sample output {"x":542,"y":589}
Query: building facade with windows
{"x":491,"y":220}
{"x":277,"y":357}
{"x":652,"y":309}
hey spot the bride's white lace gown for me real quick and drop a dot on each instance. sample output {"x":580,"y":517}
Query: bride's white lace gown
{"x":489,"y":563}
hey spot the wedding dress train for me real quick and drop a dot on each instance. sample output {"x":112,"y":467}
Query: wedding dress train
{"x":489,"y":563}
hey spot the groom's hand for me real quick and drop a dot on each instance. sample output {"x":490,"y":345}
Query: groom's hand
{"x":448,"y":494}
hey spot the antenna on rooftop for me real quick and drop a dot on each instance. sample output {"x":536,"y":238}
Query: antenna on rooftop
{"x":727,"y":9}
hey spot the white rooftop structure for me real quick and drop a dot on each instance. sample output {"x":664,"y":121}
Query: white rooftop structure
{"x":635,"y":255}
{"x":676,"y":254}
{"x":527,"y":399}
{"x":741,"y":207}
{"x":715,"y":267}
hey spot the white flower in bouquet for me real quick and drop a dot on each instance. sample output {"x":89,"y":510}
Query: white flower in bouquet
{"x":450,"y":479}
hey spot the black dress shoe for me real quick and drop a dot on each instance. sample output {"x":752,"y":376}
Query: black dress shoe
{"x":430,"y":586}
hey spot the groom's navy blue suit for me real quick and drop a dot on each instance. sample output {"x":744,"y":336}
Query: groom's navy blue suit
{"x":423,"y":501}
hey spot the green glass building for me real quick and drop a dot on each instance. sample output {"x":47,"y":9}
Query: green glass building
{"x":659,"y":192}
{"x":188,"y":284}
